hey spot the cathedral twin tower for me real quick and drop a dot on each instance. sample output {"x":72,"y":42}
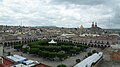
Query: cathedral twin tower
{"x":94,"y":25}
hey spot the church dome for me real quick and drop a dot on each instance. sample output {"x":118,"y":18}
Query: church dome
{"x":81,"y":27}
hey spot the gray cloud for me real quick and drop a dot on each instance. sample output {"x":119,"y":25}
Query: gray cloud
{"x":65,"y":13}
{"x":113,"y":5}
{"x":80,"y":2}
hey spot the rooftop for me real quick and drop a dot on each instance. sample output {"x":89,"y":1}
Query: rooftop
{"x":91,"y":59}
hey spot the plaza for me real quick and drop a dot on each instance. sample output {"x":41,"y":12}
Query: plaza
{"x":71,"y":61}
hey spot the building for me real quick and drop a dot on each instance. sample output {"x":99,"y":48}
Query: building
{"x":95,"y":27}
{"x":88,"y":62}
{"x":19,"y":61}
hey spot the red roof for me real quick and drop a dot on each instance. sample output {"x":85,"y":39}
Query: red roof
{"x":1,"y":65}
{"x":7,"y":62}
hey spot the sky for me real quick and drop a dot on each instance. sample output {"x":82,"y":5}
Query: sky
{"x":61,"y":13}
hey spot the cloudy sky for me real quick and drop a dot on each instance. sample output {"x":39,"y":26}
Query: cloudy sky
{"x":62,"y":13}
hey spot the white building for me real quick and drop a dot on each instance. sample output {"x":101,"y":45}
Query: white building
{"x":90,"y":60}
{"x":21,"y":60}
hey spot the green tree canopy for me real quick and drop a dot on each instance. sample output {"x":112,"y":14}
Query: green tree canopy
{"x":18,"y":46}
{"x":33,"y":50}
{"x":77,"y":60}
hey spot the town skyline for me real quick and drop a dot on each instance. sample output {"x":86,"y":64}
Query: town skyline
{"x":50,"y":26}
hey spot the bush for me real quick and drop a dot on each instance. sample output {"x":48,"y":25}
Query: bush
{"x":40,"y":53}
{"x":89,"y":53}
{"x":53,"y":48}
{"x":66,"y":48}
{"x":18,"y":47}
{"x":34,"y":50}
{"x":61,"y":56}
{"x":94,"y":51}
{"x":45,"y":54}
{"x":24,"y":50}
{"x":77,"y":60}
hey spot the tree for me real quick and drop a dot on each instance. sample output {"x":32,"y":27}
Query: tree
{"x":43,"y":42}
{"x":33,"y":50}
{"x":66,"y":48}
{"x":82,"y":48}
{"x":61,"y":65}
{"x":77,"y":50}
{"x":94,"y":51}
{"x":61,"y":56}
{"x":77,"y":60}
{"x":73,"y":51}
{"x":52,"y":55}
{"x":41,"y":47}
{"x":40,"y":53}
{"x":18,"y":47}
{"x":89,"y":53}
{"x":68,"y":43}
{"x":33,"y":43}
{"x":82,"y":45}
{"x":45,"y":54}
{"x":25,"y":50}
{"x":34,"y":46}
{"x":53,"y":48}
{"x":40,"y":42}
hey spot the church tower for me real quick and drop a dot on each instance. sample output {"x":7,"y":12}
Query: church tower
{"x":95,"y":25}
{"x":92,"y":24}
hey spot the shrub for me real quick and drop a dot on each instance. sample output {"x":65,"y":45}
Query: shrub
{"x":89,"y":53}
{"x":77,"y":60}
{"x":94,"y":51}
{"x":33,"y":50}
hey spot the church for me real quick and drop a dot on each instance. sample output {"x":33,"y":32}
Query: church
{"x":95,"y":27}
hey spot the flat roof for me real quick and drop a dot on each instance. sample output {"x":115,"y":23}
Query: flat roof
{"x":23,"y":62}
{"x":88,"y":61}
{"x":16,"y":58}
{"x":19,"y":65}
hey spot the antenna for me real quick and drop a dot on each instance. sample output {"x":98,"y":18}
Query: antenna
{"x":21,"y":23}
{"x":21,"y":27}
{"x":109,"y":23}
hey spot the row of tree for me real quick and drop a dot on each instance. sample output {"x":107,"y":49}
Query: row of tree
{"x":53,"y":52}
{"x":50,"y":51}
{"x":90,"y":53}
{"x":45,"y":42}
